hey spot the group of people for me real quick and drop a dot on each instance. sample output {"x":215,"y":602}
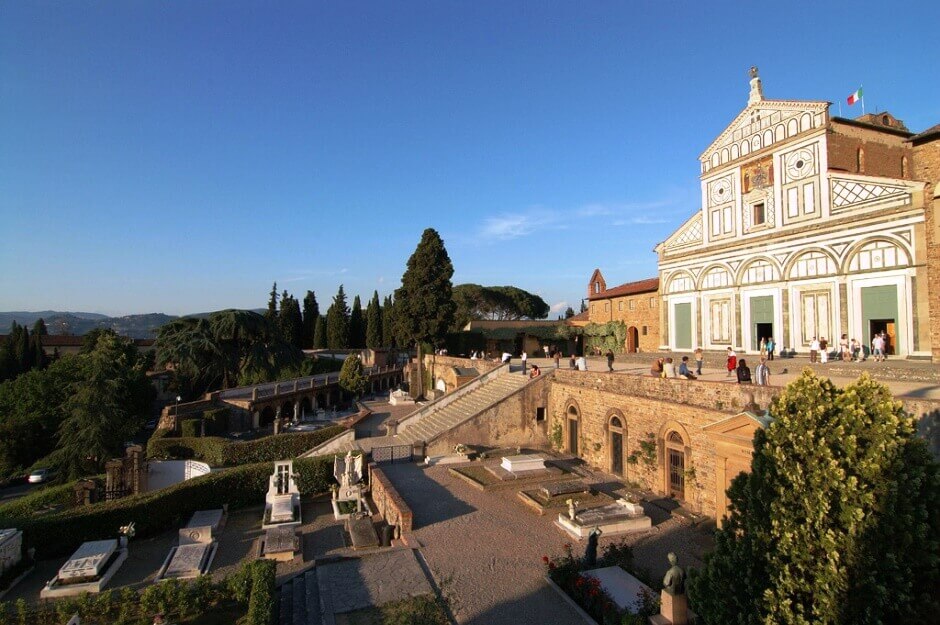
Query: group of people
{"x":738,"y":368}
{"x":849,"y":350}
{"x":666,"y":368}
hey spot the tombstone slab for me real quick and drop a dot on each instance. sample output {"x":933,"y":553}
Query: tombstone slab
{"x":188,"y":560}
{"x":362,"y":532}
{"x":89,"y":559}
{"x":553,"y":489}
{"x":280,"y":543}
{"x":522,"y":463}
{"x":282,"y":511}
{"x":11,"y":549}
{"x":621,"y":517}
{"x":622,"y":587}
{"x":89,"y":569}
{"x":212,"y":518}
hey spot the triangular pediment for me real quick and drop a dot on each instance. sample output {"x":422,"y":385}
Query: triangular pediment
{"x":855,"y":191}
{"x":741,"y":425}
{"x":689,"y":233}
{"x":772,"y":114}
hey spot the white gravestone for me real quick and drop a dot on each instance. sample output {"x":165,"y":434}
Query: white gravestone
{"x":203,"y":518}
{"x":522,"y":463}
{"x":89,"y":559}
{"x":188,"y":560}
{"x":348,"y":472}
{"x":283,"y":496}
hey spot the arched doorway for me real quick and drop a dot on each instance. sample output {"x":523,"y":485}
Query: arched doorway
{"x":617,"y":438}
{"x":572,"y":421}
{"x":633,"y":340}
{"x":305,"y":407}
{"x":287,"y":410}
{"x":675,"y":465}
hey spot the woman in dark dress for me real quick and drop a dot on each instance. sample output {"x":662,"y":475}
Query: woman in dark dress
{"x":744,"y":373}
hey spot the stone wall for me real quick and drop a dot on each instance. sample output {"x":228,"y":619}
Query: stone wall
{"x":644,"y":315}
{"x":388,"y":502}
{"x":446,"y":368}
{"x":510,"y":423}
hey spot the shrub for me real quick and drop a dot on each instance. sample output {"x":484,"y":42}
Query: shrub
{"x":59,"y":533}
{"x":216,"y":421}
{"x":191,"y":427}
{"x":261,"y":604}
{"x":218,"y":451}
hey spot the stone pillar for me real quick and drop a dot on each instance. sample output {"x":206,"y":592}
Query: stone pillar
{"x":674,"y":610}
{"x":277,"y":388}
{"x":256,"y":419}
{"x":254,"y":394}
{"x":296,"y":408}
{"x":295,"y":385}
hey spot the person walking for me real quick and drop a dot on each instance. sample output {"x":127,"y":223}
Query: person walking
{"x":732,"y":362}
{"x":771,"y":346}
{"x":763,"y":347}
{"x":699,"y":359}
{"x":557,"y":356}
{"x":525,"y":358}
{"x":823,"y":350}
{"x":762,"y":373}
{"x":814,"y":350}
{"x":878,"y":348}
{"x":844,"y":354}
{"x":856,"y":349}
{"x":610,"y":360}
{"x":744,"y":373}
{"x":572,"y":362}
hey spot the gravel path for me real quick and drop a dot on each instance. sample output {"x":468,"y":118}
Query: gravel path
{"x":485,"y":548}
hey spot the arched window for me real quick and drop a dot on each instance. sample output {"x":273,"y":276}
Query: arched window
{"x":860,"y":161}
{"x":878,"y":255}
{"x":674,"y":437}
{"x":572,"y":427}
{"x":675,"y":465}
{"x":904,"y":173}
{"x":760,"y":270}
{"x":617,"y":444}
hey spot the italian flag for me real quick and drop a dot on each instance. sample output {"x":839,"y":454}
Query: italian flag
{"x":855,"y":97}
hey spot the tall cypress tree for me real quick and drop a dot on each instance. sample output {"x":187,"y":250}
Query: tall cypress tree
{"x":271,"y":314}
{"x":357,"y":330}
{"x":424,"y":305}
{"x":311,"y":314}
{"x":337,"y":322}
{"x":290,"y":321}
{"x":319,"y":333}
{"x":388,"y":322}
{"x":22,"y":351}
{"x":374,"y":322}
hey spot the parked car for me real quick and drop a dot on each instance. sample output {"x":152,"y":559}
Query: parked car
{"x":39,"y":476}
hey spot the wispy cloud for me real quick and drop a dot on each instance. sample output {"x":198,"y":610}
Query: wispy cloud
{"x":641,"y":220}
{"x":505,"y":227}
{"x":299,"y":275}
{"x":559,"y":306}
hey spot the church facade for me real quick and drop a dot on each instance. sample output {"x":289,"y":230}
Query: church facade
{"x":810,"y":226}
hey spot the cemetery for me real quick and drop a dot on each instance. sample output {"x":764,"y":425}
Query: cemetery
{"x":90,"y":568}
{"x":282,"y":501}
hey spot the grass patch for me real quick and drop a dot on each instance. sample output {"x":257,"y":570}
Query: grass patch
{"x":421,"y":610}
{"x":223,"y":614}
{"x":347,"y":506}
{"x":482,"y":477}
{"x":537,"y":500}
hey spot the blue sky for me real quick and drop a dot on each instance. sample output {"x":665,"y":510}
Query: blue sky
{"x":180,"y":156}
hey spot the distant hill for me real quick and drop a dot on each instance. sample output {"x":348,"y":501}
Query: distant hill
{"x":78,"y":323}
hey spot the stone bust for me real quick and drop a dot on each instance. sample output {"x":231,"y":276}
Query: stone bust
{"x":753,"y":71}
{"x":674,"y":581}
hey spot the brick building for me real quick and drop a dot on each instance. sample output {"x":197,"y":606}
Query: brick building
{"x":636,"y":304}
{"x":810,"y":226}
{"x":926,"y":167}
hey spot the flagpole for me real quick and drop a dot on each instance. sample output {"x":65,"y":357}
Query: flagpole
{"x":840,"y":108}
{"x":862,"y":89}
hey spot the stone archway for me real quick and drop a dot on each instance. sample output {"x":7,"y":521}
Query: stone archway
{"x":306,"y":408}
{"x":572,"y":430}
{"x":617,"y":442}
{"x":267,"y":416}
{"x":675,"y":465}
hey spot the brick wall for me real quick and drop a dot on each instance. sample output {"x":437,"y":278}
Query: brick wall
{"x":640,"y":316}
{"x":388,"y":502}
{"x":883,"y":152}
{"x":927,"y":168}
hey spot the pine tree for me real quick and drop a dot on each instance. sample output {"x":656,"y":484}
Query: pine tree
{"x":21,"y":348}
{"x":374,"y":322}
{"x":424,"y":305}
{"x":337,"y":322}
{"x":357,"y":329}
{"x":38,"y":356}
{"x":271,"y":314}
{"x":837,"y":522}
{"x":311,"y":314}
{"x":319,"y":333}
{"x":351,"y":376}
{"x":569,"y":312}
{"x":388,"y":322}
{"x":8,"y":367}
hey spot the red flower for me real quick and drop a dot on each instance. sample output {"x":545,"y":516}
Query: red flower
{"x":545,"y":559}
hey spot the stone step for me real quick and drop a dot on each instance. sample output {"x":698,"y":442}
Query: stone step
{"x":299,"y":609}
{"x":285,"y":612}
{"x":313,"y":598}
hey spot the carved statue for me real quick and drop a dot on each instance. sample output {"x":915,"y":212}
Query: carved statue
{"x":350,"y":469}
{"x":753,"y":71}
{"x":674,"y":581}
{"x":572,"y":508}
{"x":590,"y":554}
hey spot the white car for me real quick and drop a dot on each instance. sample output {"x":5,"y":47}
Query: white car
{"x":39,"y":476}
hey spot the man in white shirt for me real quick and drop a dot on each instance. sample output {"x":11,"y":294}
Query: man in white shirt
{"x":525,"y":357}
{"x":581,"y":363}
{"x":814,"y":350}
{"x":506,"y":357}
{"x":878,"y":347}
{"x":762,"y":373}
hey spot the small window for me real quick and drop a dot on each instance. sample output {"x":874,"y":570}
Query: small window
{"x":619,"y":305}
{"x":606,"y":306}
{"x":652,"y":302}
{"x":759,"y":215}
{"x":597,"y":287}
{"x":644,"y":330}
{"x":539,"y":414}
{"x":633,"y":304}
{"x":593,"y":308}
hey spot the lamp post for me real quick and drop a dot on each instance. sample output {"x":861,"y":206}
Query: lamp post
{"x":177,"y":413}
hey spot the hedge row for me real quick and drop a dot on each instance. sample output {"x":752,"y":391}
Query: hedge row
{"x":261,"y":604}
{"x":59,"y":533}
{"x":220,"y":452}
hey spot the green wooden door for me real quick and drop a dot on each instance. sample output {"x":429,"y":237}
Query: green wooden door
{"x":762,"y":312}
{"x":682,"y":314}
{"x":880,"y":303}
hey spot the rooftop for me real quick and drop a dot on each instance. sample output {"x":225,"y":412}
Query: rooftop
{"x":648,"y":285}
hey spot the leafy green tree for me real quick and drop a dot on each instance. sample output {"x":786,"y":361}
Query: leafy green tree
{"x":311,"y":314}
{"x":424,"y":305}
{"x":19,"y":336}
{"x":374,"y":322}
{"x":351,"y":376}
{"x":291,"y":321}
{"x":388,"y":322}
{"x":104,"y":408}
{"x":569,"y":312}
{"x":319,"y":333}
{"x":837,"y":522}
{"x":473,"y":301}
{"x":357,"y":328}
{"x":337,"y":322}
{"x":90,"y":339}
{"x":8,"y":365}
{"x":40,"y":361}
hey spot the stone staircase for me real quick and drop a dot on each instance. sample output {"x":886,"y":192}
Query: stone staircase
{"x":433,"y":425}
{"x":298,"y":600}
